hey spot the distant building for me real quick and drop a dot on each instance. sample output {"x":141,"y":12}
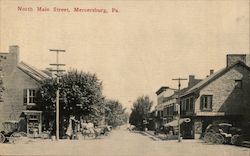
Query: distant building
{"x":222,"y":96}
{"x":21,"y":82}
{"x":166,"y":109}
{"x":162,"y":95}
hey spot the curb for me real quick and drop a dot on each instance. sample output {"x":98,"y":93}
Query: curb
{"x":153,"y":137}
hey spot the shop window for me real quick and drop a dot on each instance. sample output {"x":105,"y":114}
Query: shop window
{"x":206,"y":102}
{"x":238,"y":83}
{"x":29,"y":97}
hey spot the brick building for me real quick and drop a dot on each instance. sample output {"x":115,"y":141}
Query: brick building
{"x":21,"y":81}
{"x":222,"y":96}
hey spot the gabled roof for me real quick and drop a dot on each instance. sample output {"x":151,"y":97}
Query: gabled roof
{"x":36,"y":74}
{"x":213,"y":77}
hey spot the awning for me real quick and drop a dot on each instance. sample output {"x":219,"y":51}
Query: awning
{"x":174,"y":123}
{"x":32,"y":112}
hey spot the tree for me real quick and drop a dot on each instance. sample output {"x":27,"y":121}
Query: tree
{"x":115,"y":113}
{"x":80,"y":95}
{"x":140,"y":111}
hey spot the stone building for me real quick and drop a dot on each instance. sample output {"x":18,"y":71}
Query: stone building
{"x":222,"y":96}
{"x":20,"y":81}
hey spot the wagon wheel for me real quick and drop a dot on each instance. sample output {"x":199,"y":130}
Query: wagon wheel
{"x":236,"y":139}
{"x":15,"y":137}
{"x":2,"y":138}
{"x":209,"y":137}
{"x":219,"y":139}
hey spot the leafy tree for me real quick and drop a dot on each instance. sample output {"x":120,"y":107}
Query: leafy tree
{"x":140,"y":111}
{"x":80,"y":95}
{"x":115,"y":113}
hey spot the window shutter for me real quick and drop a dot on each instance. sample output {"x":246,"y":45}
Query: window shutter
{"x":201,"y":102}
{"x":211,"y":102}
{"x":25,"y":97}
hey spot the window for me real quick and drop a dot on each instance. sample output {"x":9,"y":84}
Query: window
{"x":238,"y":83}
{"x":181,"y":105}
{"x":206,"y":102}
{"x":29,"y":97}
{"x":187,"y":104}
{"x":172,"y":110}
{"x":191,"y":103}
{"x":168,"y":111}
{"x":184,"y":105}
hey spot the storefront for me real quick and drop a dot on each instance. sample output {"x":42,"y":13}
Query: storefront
{"x":34,"y":122}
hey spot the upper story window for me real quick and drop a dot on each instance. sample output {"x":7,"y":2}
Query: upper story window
{"x":191,"y":103}
{"x":187,"y":104}
{"x":29,"y":97}
{"x":183,"y":105}
{"x":206,"y":102}
{"x":238,"y":83}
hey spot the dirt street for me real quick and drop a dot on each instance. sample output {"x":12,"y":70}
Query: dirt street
{"x":121,"y":142}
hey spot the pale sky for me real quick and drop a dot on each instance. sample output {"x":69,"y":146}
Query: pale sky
{"x":136,"y":51}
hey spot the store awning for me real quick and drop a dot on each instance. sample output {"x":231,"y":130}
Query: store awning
{"x":32,"y":112}
{"x":174,"y":123}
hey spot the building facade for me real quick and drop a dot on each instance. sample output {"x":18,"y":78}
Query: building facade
{"x":164,"y":106}
{"x":21,"y":82}
{"x":222,"y":96}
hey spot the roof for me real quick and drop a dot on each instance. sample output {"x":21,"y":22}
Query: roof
{"x":163,"y":88}
{"x":213,"y":77}
{"x":175,"y":95}
{"x":33,"y":72}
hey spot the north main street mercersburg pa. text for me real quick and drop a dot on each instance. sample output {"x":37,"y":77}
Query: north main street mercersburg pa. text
{"x":57,"y":9}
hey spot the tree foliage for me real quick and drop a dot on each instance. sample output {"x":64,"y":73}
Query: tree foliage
{"x":140,"y":111}
{"x":80,"y":95}
{"x":115,"y":113}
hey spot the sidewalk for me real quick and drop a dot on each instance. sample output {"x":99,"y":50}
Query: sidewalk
{"x":163,"y":137}
{"x":155,"y":137}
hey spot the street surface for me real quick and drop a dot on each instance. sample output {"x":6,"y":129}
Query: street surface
{"x":121,"y":142}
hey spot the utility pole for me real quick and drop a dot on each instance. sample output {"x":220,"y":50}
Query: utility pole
{"x":179,"y":106}
{"x":57,"y":70}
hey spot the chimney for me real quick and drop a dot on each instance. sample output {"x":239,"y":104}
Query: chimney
{"x":211,"y":71}
{"x":234,"y":58}
{"x":191,"y":81}
{"x":14,"y":54}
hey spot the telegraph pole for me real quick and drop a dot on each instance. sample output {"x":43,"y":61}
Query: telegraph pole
{"x":179,"y":106}
{"x":57,"y":70}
